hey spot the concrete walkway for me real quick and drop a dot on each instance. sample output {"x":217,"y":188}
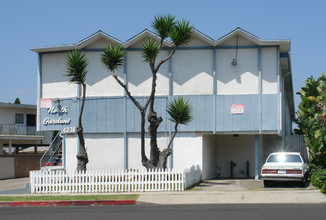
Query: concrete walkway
{"x":14,"y":186}
{"x":237,"y":191}
{"x":208,"y":192}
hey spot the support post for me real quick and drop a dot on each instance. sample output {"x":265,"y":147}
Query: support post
{"x":39,"y":91}
{"x":169,"y":100}
{"x":125,"y":136}
{"x":1,"y":148}
{"x":256,"y":156}
{"x":214,"y":89}
{"x":10,"y":146}
{"x":260,"y":91}
{"x":279,"y":110}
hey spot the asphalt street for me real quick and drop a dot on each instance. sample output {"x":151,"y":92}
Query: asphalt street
{"x":169,"y":212}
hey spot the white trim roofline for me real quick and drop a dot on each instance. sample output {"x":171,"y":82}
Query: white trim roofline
{"x":86,"y":41}
{"x":11,"y":105}
{"x":145,"y":33}
{"x":283,"y":44}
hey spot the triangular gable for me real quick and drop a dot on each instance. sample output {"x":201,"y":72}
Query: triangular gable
{"x":135,"y":42}
{"x":80,"y":45}
{"x":284,"y":44}
{"x":98,"y":36}
{"x":240,"y":33}
{"x":101,"y":39}
{"x":200,"y":39}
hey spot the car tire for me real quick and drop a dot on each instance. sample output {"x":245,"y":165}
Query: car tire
{"x":267,"y":183}
{"x":303,"y":183}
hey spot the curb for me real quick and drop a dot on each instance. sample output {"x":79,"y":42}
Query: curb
{"x":67,"y":203}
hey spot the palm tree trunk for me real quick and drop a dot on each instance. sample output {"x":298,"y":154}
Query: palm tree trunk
{"x":144,"y":159}
{"x":152,"y":128}
{"x":82,"y":155}
{"x":163,"y":157}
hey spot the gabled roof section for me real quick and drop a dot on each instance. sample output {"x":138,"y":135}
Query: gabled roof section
{"x":142,"y":35}
{"x":81,"y":44}
{"x":203,"y":37}
{"x":284,"y":44}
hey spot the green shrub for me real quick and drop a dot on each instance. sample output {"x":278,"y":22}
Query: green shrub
{"x":323,"y":188}
{"x":318,"y":177}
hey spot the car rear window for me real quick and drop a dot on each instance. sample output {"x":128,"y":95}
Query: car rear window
{"x":283,"y":158}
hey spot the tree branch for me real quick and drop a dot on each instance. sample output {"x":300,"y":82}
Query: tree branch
{"x":175,"y":133}
{"x":127,"y":91}
{"x":164,"y":60}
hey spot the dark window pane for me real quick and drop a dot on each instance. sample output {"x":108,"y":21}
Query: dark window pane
{"x":19,"y":118}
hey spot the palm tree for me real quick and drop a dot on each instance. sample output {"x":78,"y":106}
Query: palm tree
{"x":165,"y":27}
{"x":76,"y":64}
{"x":180,"y":111}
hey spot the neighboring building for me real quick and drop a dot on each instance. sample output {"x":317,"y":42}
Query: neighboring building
{"x":18,"y":128}
{"x":240,"y":87}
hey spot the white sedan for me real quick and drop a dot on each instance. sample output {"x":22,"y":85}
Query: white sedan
{"x":284,"y":166}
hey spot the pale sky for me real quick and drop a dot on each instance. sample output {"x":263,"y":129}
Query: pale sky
{"x":25,"y":24}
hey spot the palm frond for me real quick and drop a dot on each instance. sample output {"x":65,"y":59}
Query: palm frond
{"x":113,"y":57}
{"x":163,"y":25}
{"x":76,"y":64}
{"x":180,"y":111}
{"x":181,"y":33}
{"x":150,"y":50}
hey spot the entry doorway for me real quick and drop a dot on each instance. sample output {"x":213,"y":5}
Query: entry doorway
{"x":31,"y":124}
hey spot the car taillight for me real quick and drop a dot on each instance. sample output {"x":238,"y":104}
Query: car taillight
{"x":267,"y":171}
{"x":294,"y":172}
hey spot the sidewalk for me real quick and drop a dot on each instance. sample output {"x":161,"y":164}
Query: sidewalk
{"x":237,"y":191}
{"x":208,"y":192}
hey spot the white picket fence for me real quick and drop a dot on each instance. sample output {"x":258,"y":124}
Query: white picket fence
{"x":45,"y":181}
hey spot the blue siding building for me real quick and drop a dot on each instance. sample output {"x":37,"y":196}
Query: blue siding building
{"x":242,"y":110}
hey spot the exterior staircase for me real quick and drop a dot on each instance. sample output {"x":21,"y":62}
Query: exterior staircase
{"x":53,"y":156}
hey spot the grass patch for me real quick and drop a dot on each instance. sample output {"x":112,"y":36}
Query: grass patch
{"x":67,"y":198}
{"x":196,"y":187}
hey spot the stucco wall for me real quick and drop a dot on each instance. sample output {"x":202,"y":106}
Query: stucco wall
{"x":139,"y":75}
{"x":71,"y":152}
{"x":105,"y":151}
{"x":187,"y":150}
{"x":209,"y":157}
{"x":239,"y":79}
{"x":192,"y":72}
{"x":54,"y":83}
{"x":269,"y":70}
{"x":7,"y":115}
{"x":7,"y":167}
{"x":99,"y":80}
{"x":241,"y":40}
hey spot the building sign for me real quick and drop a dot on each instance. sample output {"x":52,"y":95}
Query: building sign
{"x":46,"y":103}
{"x":237,"y":109}
{"x":57,"y":121}
{"x":56,"y":116}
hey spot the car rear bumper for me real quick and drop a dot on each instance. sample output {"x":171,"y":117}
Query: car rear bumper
{"x":283,"y":177}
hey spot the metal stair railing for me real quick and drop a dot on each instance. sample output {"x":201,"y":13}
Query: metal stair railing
{"x":53,"y":148}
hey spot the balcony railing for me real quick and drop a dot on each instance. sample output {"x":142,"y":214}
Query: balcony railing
{"x":14,"y":129}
